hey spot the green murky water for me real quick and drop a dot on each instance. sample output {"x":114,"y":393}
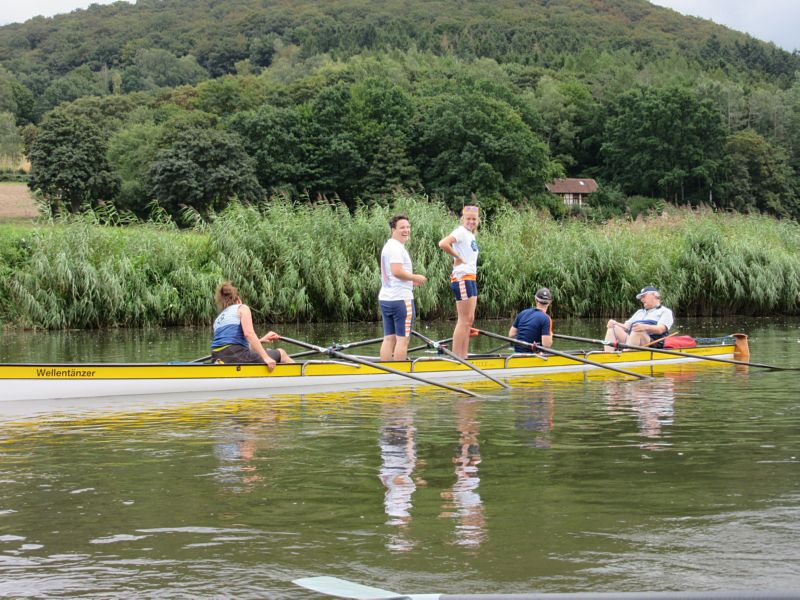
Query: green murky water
{"x":687,"y":482}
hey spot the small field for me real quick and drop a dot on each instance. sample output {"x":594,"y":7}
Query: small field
{"x":16,"y":202}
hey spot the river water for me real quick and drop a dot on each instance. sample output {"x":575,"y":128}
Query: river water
{"x":690,"y":481}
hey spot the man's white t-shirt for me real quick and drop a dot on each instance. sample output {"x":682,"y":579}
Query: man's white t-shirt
{"x":660,"y":315}
{"x":393,"y":288}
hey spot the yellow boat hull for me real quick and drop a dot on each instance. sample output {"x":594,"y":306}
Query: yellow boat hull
{"x":21,"y":382}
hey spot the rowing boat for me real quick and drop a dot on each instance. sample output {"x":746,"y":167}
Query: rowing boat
{"x":95,"y":380}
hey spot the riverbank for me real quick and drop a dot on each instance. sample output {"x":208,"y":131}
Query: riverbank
{"x":301,"y":263}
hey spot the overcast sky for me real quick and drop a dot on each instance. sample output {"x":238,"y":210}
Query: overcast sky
{"x":771,"y":20}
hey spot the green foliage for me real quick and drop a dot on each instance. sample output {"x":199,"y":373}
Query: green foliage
{"x":470,"y":143}
{"x":353,"y":100}
{"x":155,"y":67}
{"x":278,"y":140}
{"x":75,"y":84}
{"x":68,"y":163}
{"x":15,"y":97}
{"x":664,"y":141}
{"x":760,"y":177}
{"x":80,"y":275}
{"x":569,"y":115}
{"x":203,"y":169}
{"x":228,"y":95}
{"x":10,"y":139}
{"x":610,"y":201}
{"x":131,"y":151}
{"x":319,"y":262}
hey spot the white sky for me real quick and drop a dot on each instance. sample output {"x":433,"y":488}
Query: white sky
{"x":775,"y":21}
{"x":17,"y":11}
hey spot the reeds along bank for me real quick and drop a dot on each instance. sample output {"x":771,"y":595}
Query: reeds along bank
{"x":320,"y":263}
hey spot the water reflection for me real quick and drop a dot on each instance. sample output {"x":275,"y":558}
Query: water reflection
{"x":462,"y":501}
{"x":535,"y":416}
{"x":398,"y":461}
{"x":237,"y":441}
{"x":652,"y":403}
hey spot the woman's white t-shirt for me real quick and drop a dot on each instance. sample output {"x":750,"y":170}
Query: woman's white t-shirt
{"x":466,"y":247}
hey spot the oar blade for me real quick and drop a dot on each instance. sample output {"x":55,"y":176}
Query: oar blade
{"x":341,"y":588}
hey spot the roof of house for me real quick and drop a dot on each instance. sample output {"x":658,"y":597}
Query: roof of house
{"x":572,"y":186}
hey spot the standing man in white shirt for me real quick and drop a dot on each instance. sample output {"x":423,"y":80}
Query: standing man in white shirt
{"x":396,"y":297}
{"x":461,"y":245}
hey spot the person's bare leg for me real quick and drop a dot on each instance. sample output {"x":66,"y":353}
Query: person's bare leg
{"x":401,"y":347}
{"x":387,"y":347}
{"x":615,"y":333}
{"x":638,"y":338}
{"x":285,"y":358}
{"x":466,"y":317}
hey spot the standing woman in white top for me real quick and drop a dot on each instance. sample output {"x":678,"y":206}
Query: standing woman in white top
{"x":396,"y":297}
{"x":461,"y":245}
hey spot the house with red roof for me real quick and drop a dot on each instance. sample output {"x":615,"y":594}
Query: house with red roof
{"x":572,"y":191}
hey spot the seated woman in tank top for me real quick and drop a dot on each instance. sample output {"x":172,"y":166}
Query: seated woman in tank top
{"x":235,"y":341}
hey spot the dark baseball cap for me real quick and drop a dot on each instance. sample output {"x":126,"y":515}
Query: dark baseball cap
{"x":544,"y":296}
{"x":647,"y":290}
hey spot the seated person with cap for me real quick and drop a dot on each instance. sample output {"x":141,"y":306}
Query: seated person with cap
{"x":533,"y":325}
{"x":648,"y":324}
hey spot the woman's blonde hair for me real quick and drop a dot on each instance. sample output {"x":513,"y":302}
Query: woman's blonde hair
{"x":226,"y":295}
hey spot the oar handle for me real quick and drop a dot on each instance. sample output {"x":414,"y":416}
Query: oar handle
{"x":317,"y":349}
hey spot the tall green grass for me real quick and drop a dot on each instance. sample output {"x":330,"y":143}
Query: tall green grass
{"x":319,"y":262}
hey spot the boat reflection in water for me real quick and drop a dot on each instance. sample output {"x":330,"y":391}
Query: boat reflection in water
{"x":652,"y":402}
{"x":462,"y":501}
{"x":534,"y":416}
{"x":398,"y":460}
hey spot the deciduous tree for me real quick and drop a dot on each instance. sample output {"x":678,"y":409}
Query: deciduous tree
{"x":204,"y":169}
{"x":68,"y":162}
{"x":664,"y":142}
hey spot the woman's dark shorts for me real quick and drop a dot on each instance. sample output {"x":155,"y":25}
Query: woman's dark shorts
{"x":239,"y":355}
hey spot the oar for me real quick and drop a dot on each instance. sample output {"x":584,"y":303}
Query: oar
{"x":651,"y":342}
{"x":580,"y":359}
{"x":368,"y":363}
{"x":201,"y":359}
{"x":340,"y":347}
{"x":497,"y":349}
{"x":444,"y":349}
{"x":423,"y":346}
{"x":681,"y":354}
{"x":342,"y":588}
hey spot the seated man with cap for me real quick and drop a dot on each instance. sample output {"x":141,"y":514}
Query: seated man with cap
{"x":533,"y":325}
{"x":649,"y":323}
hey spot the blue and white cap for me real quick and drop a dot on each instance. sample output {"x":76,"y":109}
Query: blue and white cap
{"x":647,"y":290}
